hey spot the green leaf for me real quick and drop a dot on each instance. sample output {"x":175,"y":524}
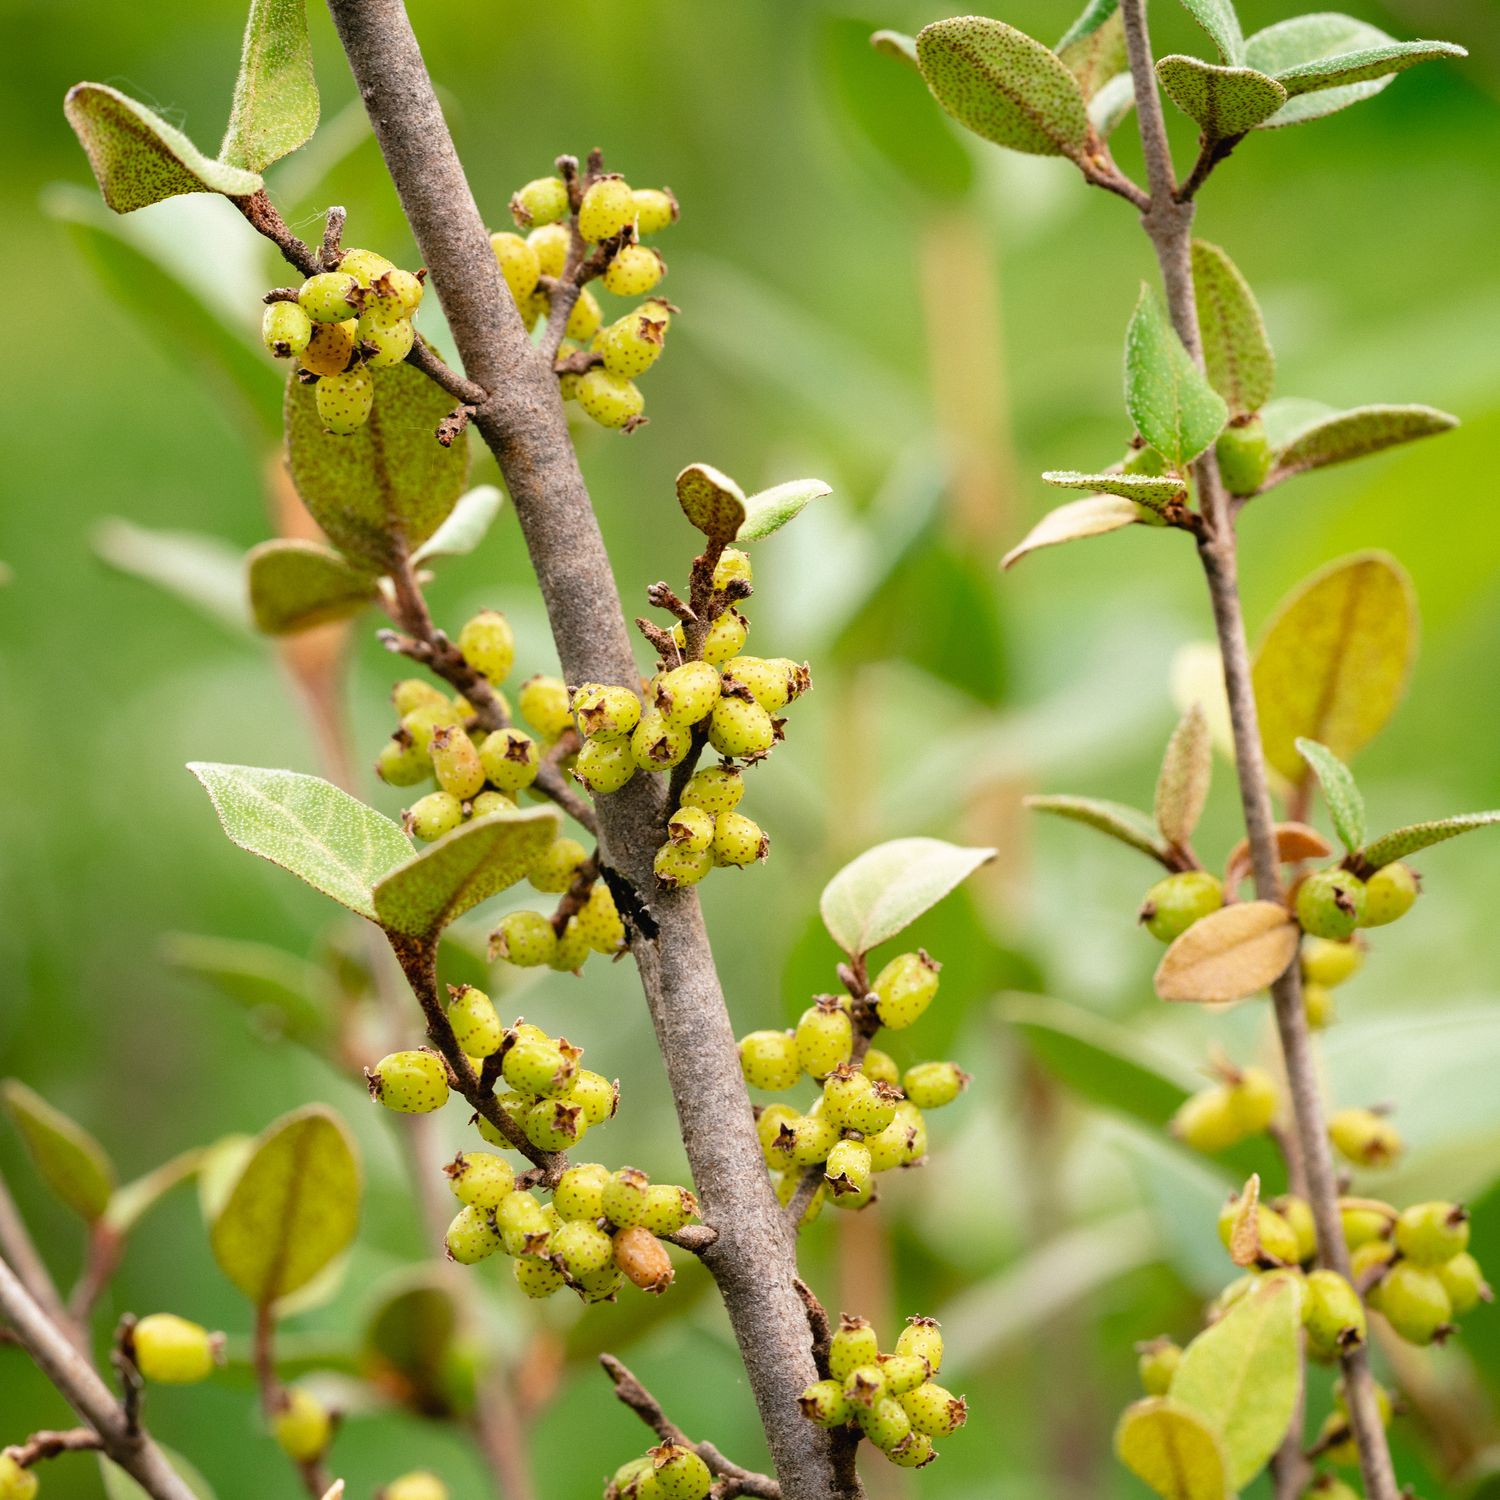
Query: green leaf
{"x":1345,"y":805}
{"x":218,"y":1171}
{"x":409,"y":1340}
{"x":118,"y":1485}
{"x":1344,"y":435}
{"x":1417,"y":836}
{"x":1219,"y":20}
{"x":1242,"y":1375}
{"x":769,"y":510}
{"x":1148,"y":489}
{"x":896,"y":45}
{"x":1072,"y":522}
{"x":712,"y":501}
{"x":295,"y":585}
{"x":1114,"y":818}
{"x":888,"y":887}
{"x":419,"y":898}
{"x":466,"y":527}
{"x":1093,"y":49}
{"x":1170,"y":401}
{"x":139,"y":159}
{"x":71,"y":1162}
{"x":1171,"y":1450}
{"x":1364,"y":64}
{"x":131,"y":1203}
{"x":1111,"y":104}
{"x":293,"y":1208}
{"x":276,"y":95}
{"x":1182,"y":787}
{"x":263,"y":979}
{"x":1285,"y":417}
{"x":308,"y":826}
{"x":1236,"y":348}
{"x":391,"y":482}
{"x":1228,"y":955}
{"x":1004,"y":86}
{"x":1224,"y":101}
{"x":202,"y":571}
{"x":1334,"y":661}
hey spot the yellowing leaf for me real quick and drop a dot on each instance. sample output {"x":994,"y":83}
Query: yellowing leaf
{"x":1334,"y":662}
{"x":72,"y":1163}
{"x":295,"y":585}
{"x":712,"y":501}
{"x":1092,"y":516}
{"x":1182,"y":788}
{"x":1229,"y":954}
{"x":1171,"y":1449}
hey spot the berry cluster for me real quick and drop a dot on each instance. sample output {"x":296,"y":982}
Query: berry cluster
{"x":581,"y":228}
{"x":669,"y":1471}
{"x":891,"y":1398}
{"x":340,"y":325}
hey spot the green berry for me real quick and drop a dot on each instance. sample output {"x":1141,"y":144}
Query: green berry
{"x":456,"y":762}
{"x":769,"y":1060}
{"x":773,"y":684}
{"x":420,"y":1484}
{"x":579,"y":1193}
{"x":1464,"y":1282}
{"x":518,"y":264}
{"x":421,"y":723}
{"x":172,"y":1351}
{"x":931,"y":1085}
{"x":625,"y":1197}
{"x":776,"y":1130}
{"x":668,"y":1208}
{"x":412,"y":693}
{"x":599,"y":922}
{"x":489,"y":645}
{"x":1244,"y":454}
{"x":1362,"y":1221}
{"x":411,"y":1083}
{"x":1157,"y":1364}
{"x":739,"y":840}
{"x":655,"y":208}
{"x":848,"y":1168}
{"x":814,"y":1135}
{"x":523,"y":1225}
{"x":329,"y":349}
{"x":732,"y":564}
{"x":607,"y":207}
{"x":365,"y":266}
{"x":1332,"y":1314}
{"x":676,"y":866}
{"x":1330,"y":1487}
{"x":726,"y":638}
{"x":329,"y":297}
{"x":510,"y":759}
{"x":1431,"y":1233}
{"x":687,"y":694}
{"x":853,"y":1101}
{"x":740,"y":729}
{"x":901,"y":1142}
{"x":554,"y":868}
{"x":302,"y":1426}
{"x":611,"y":400}
{"x":403,"y":762}
{"x":1317,"y":1005}
{"x":605,"y":766}
{"x":881,"y":1066}
{"x":1253,"y":1100}
{"x":1330,"y":904}
{"x":345,"y":401}
{"x":471,"y":1014}
{"x":864,"y":1386}
{"x":491,"y":802}
{"x":715,"y":789}
{"x":1329,"y":963}
{"x":915,"y":1453}
{"x":383,"y":343}
{"x":605,"y":713}
{"x":1172,"y":905}
{"x":543,"y":702}
{"x":904,"y":989}
{"x":824,"y":1038}
{"x":1389,"y":894}
{"x":1298,"y":1213}
{"x":1365,"y":1138}
{"x":634,"y":270}
{"x":1206,"y":1121}
{"x":935,"y":1411}
{"x":630,"y":346}
{"x":550,"y":242}
{"x":397,"y":294}
{"x":1278,"y":1240}
{"x":472,"y":1236}
{"x":601,"y":1286}
{"x":285,"y":329}
{"x":430,"y":817}
{"x":524,"y":938}
{"x":691,"y":828}
{"x":573,"y":949}
{"x":597,"y":1096}
{"x":657,"y":745}
{"x":824,"y":1404}
{"x":480,"y":1178}
{"x":554,"y":1125}
{"x":585,"y":319}
{"x":903,"y":1372}
{"x":1413,"y":1300}
{"x":886,"y":1423}
{"x":543,"y":200}
{"x":545,"y":1069}
{"x":16,"y":1483}
{"x":582,"y":1247}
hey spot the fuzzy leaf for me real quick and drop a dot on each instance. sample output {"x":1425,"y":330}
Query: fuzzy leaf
{"x":295,"y":585}
{"x":888,"y":887}
{"x":898,"y":46}
{"x":712,"y":501}
{"x":466,"y":526}
{"x":389,"y":483}
{"x":1108,"y":108}
{"x":1229,"y":954}
{"x":1094,"y":47}
{"x":1286,"y":416}
{"x":1345,"y":805}
{"x":71,"y":1162}
{"x":1236,"y":349}
{"x":202,"y":571}
{"x":1114,"y":818}
{"x":1242,"y":1375}
{"x":1219,"y":20}
{"x":420,"y":897}
{"x":769,"y":510}
{"x":1004,"y":86}
{"x":1334,"y":662}
{"x":276,"y":95}
{"x":308,"y":826}
{"x":265,"y":980}
{"x":1363,"y":65}
{"x":1148,"y":489}
{"x":1418,"y":836}
{"x":1168,"y":397}
{"x":1182,"y":788}
{"x":1171,"y":1450}
{"x":1224,"y":101}
{"x":1074,"y":521}
{"x":139,"y":159}
{"x":1344,"y":435}
{"x":293,"y":1208}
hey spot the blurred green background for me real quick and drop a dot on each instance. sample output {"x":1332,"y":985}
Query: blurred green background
{"x":928,"y":353}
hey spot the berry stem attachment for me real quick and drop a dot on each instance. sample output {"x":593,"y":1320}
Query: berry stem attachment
{"x":122,"y":1357}
{"x":331,"y":252}
{"x":44,"y":1445}
{"x":274,"y":1398}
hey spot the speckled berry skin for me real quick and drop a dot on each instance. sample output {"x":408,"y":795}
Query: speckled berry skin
{"x":1175,"y":903}
{"x":579,"y":1193}
{"x":414,"y":1082}
{"x":597,"y":1096}
{"x":934,"y":1410}
{"x":586,"y":317}
{"x":915,"y":1453}
{"x":302,"y":1425}
{"x":456,"y":763}
{"x":848,"y":1169}
{"x":669,"y":1208}
{"x":611,"y":400}
{"x":553,"y":870}
{"x":523,"y":1225}
{"x":285,"y":329}
{"x":813,"y":1136}
{"x":345,"y":401}
{"x":582,"y":1247}
{"x":770,"y":683}
{"x":365,"y":266}
{"x":395,"y":294}
{"x":402,"y":762}
{"x":329,"y":297}
{"x":687,"y":694}
{"x":725,"y":640}
{"x":853,"y":1101}
{"x":657,"y":745}
{"x":715,"y":789}
{"x":691,"y":828}
{"x":480,"y":1178}
{"x":605,"y":766}
{"x":823,"y":1039}
{"x":543,"y":702}
{"x":430,"y":817}
{"x":545,"y":1069}
{"x":931,"y":1085}
{"x":1413,"y":1300}
{"x":824,"y":1404}
{"x":630,"y":346}
{"x":1389,"y":894}
{"x":603,"y":712}
{"x":471,"y":1014}
{"x":1330,"y":903}
{"x":488,"y":644}
{"x":472,"y":1236}
{"x":606,"y":208}
{"x":655,"y":209}
{"x":382,"y":343}
{"x":769,"y":1060}
{"x":676,"y":866}
{"x":625,"y":1197}
{"x":524,"y":938}
{"x":854,"y":1343}
{"x":901,"y":1143}
{"x":550,"y":244}
{"x":510,"y":759}
{"x":518,"y":264}
{"x":904,"y":989}
{"x":173,"y":1351}
{"x":634,"y":271}
{"x":739,"y":840}
{"x":740,"y":730}
{"x":924,"y":1338}
{"x":329,"y":348}
{"x":543,"y":200}
{"x":599,"y":921}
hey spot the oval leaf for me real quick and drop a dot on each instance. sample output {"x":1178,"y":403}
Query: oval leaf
{"x":308,"y":826}
{"x":1334,"y":662}
{"x":1148,"y":489}
{"x":275,"y":96}
{"x":712,"y":501}
{"x":467,"y":524}
{"x":295,"y":585}
{"x":420,"y":897}
{"x":293,"y":1208}
{"x":1171,"y":1450}
{"x":1229,"y":954}
{"x":1353,"y":434}
{"x":769,"y":510}
{"x":1219,"y":19}
{"x":1168,"y":397}
{"x":1005,"y":86}
{"x":1295,"y":842}
{"x":71,"y":1162}
{"x":1418,"y":836}
{"x":1224,"y":101}
{"x":1072,"y":522}
{"x":888,"y":887}
{"x":1114,"y":818}
{"x":1093,"y":49}
{"x":389,"y":484}
{"x":1363,"y":64}
{"x":1345,"y":805}
{"x":1236,"y":349}
{"x":139,"y":159}
{"x":1182,"y":787}
{"x":1292,"y":44}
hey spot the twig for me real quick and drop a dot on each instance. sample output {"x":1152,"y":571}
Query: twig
{"x":274,"y":1398}
{"x":333,"y":230}
{"x":817,"y":1321}
{"x":44,"y":1445}
{"x":17,"y":1246}
{"x":122,"y":1357}
{"x":1211,"y":151}
{"x":102,"y":1259}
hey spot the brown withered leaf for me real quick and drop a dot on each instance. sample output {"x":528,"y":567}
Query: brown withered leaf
{"x":1244,"y":1235}
{"x":1294,"y":843}
{"x":1230,"y":954}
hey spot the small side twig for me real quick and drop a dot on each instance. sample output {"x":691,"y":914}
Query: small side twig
{"x":122,"y":1357}
{"x":332,"y":251}
{"x":1211,"y":151}
{"x":44,"y":1445}
{"x":817,"y":1321}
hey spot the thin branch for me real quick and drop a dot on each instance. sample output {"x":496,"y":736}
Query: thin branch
{"x":17,"y":1246}
{"x":1211,"y":151}
{"x":45,"y":1445}
{"x":274,"y":1398}
{"x":101,"y":1260}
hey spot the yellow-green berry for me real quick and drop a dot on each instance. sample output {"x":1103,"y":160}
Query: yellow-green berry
{"x":329,"y":296}
{"x":854,"y":1343}
{"x":924,"y":1338}
{"x":886,"y":1423}
{"x":625,"y":1197}
{"x":715,"y":789}
{"x":669,"y":1208}
{"x":285,"y":329}
{"x":773,"y":684}
{"x":365,"y":266}
{"x":510,"y":759}
{"x":1332,"y":1314}
{"x":413,"y":1082}
{"x":676,"y":866}
{"x":935,"y":1411}
{"x":472,"y":1236}
{"x":480,"y":1178}
{"x":524,"y":938}
{"x":1464,"y":1282}
{"x":769,"y":1060}
{"x":1317,"y":1005}
{"x":848,"y":1169}
{"x":741,"y":730}
{"x":732,"y":564}
{"x":605,"y":766}
{"x":302,"y":1425}
{"x":824,"y":1038}
{"x":489,"y":644}
{"x":691,"y":828}
{"x":915,"y":1453}
{"x":550,"y":242}
{"x":739,"y":840}
{"x":518,"y":264}
{"x":579,"y":1193}
{"x":1330,"y":903}
{"x":329,"y":349}
{"x":1431,"y":1233}
{"x":881,"y":1066}
{"x":687,"y":694}
{"x":853,"y":1101}
{"x":1364,"y":1137}
{"x":657,"y":745}
{"x":1244,"y":454}
{"x":345,"y":401}
{"x":553,"y":870}
{"x":655,"y":208}
{"x":606,"y":208}
{"x":931,"y":1085}
{"x":1413,"y":1300}
{"x":630,"y":346}
{"x":456,"y":762}
{"x":173,"y":1351}
{"x":1389,"y":894}
{"x":1172,"y":905}
{"x":402,"y":762}
{"x":471,"y":1014}
{"x":543,"y":200}
{"x":541,"y":1068}
{"x":597,"y":1096}
{"x":904,"y":989}
{"x":585,"y":320}
{"x":420,"y":1484}
{"x":605,"y":713}
{"x":582,"y":1247}
{"x":824,"y":1404}
{"x":430,"y":817}
{"x":634,"y":270}
{"x":543,"y":702}
{"x":611,"y":400}
{"x":384,"y":343}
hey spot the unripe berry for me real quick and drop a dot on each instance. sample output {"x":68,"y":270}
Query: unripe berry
{"x":788,"y":1184}
{"x":1464,"y":1282}
{"x":510,"y":759}
{"x":605,"y":766}
{"x":771,"y":683}
{"x":1330,"y":963}
{"x":456,"y":762}
{"x":915,"y":1453}
{"x":384,"y":343}
{"x":856,"y":1102}
{"x":931,"y":1085}
{"x":554,"y":1125}
{"x":599,"y":922}
{"x":691,"y":828}
{"x":1332,"y":1314}
{"x":668,"y":1208}
{"x":597,"y":1096}
{"x":1413,"y":1301}
{"x":625,"y":1197}
{"x":472,"y":1016}
{"x":848,"y":1168}
{"x":611,"y":400}
{"x":543,"y":702}
{"x":630,"y":346}
{"x":414,"y":1082}
{"x":922,"y":1337}
{"x":1244,"y":454}
{"x":935,"y":1411}
{"x":605,"y":713}
{"x":489,"y":645}
{"x":582,"y":1247}
{"x":550,"y":242}
{"x":715,"y":789}
{"x":543,"y":200}
{"x":824,"y":1038}
{"x":480,"y":1178}
{"x":824,"y":1404}
{"x":1205,"y":1121}
{"x":739,"y":840}
{"x":1330,"y":903}
{"x":1298,"y":1213}
{"x":547,"y":1069}
{"x":420,"y":1484}
{"x":329,"y":349}
{"x":634,"y":271}
{"x":814,"y":1135}
{"x":573,"y":949}
{"x":1365,"y":1138}
{"x":901,"y":1142}
{"x":1172,"y":905}
{"x":328,"y":297}
{"x":657,"y":745}
{"x":285,"y":329}
{"x":864,"y":1386}
{"x":472,"y":1236}
{"x":412,"y":693}
{"x":402,"y":762}
{"x":396,"y":294}
{"x":677,"y":866}
{"x":364,"y":266}
{"x":903,"y":1372}
{"x":1157,"y":1364}
{"x":643,"y":1259}
{"x":585,"y":319}
{"x":607,"y":207}
{"x":1330,"y":1487}
{"x":518,"y":264}
{"x":488,"y":802}
{"x":524,"y":938}
{"x":904,"y":989}
{"x":1317,"y":1005}
{"x":172,"y":1351}
{"x":302,"y":1425}
{"x":769,"y":1060}
{"x":1363,"y":1222}
{"x":420,"y":723}
{"x":601,"y":1286}
{"x":726,"y":638}
{"x":732,"y":564}
{"x":579,"y":1193}
{"x":554,"y":868}
{"x":687,"y":694}
{"x":1278,"y":1240}
{"x":655,"y":208}
{"x":345,"y":401}
{"x":430,"y":817}
{"x":741,"y":729}
{"x":16,"y":1483}
{"x":886,"y":1424}
{"x":1389,"y":894}
{"x":881,"y":1066}
{"x":1431,"y":1233}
